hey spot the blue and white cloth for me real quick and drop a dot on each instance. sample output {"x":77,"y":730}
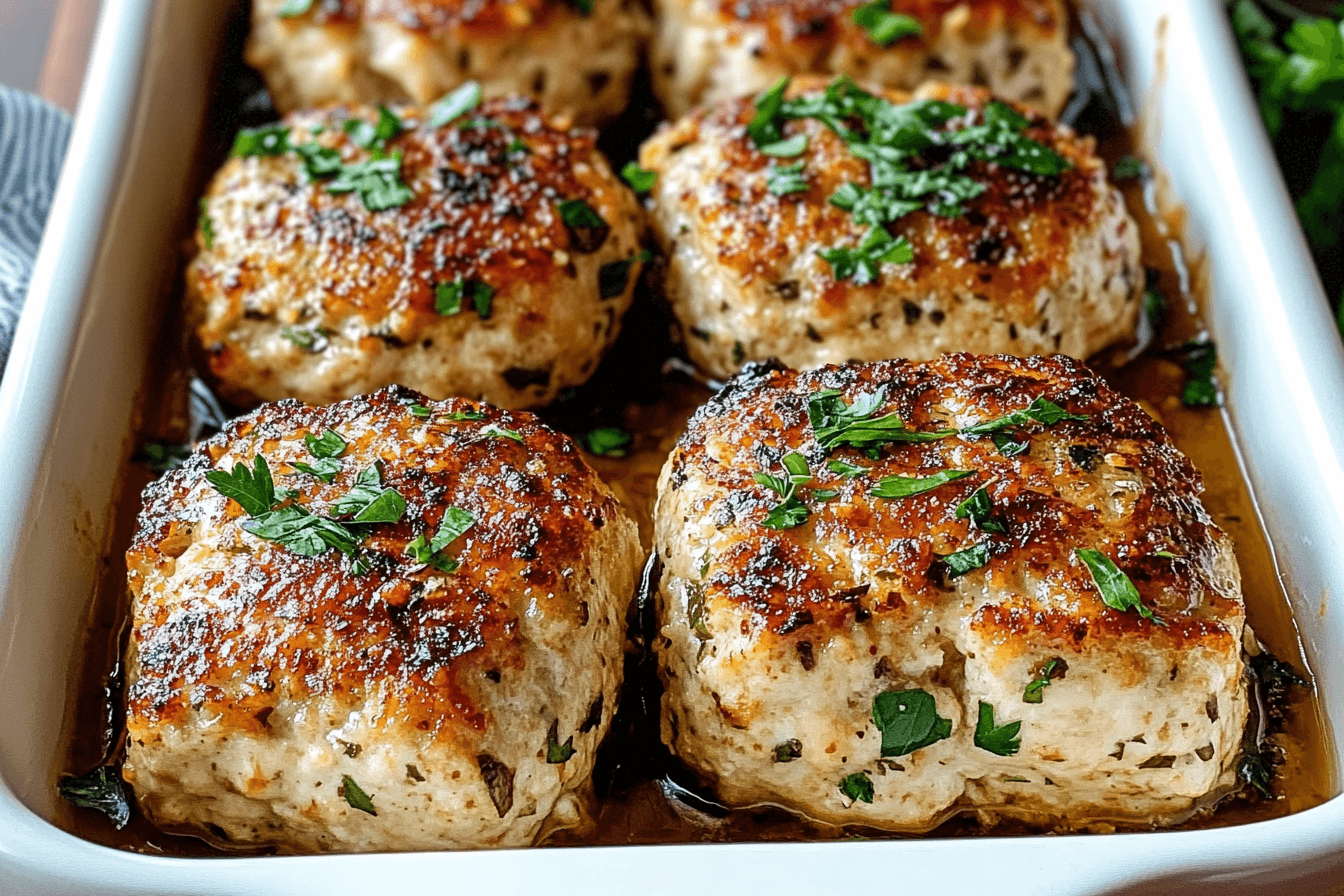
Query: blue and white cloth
{"x":33,"y":137}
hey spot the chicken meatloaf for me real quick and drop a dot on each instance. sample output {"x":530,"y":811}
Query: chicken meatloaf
{"x":576,"y":59}
{"x":476,"y":251}
{"x":707,"y":51}
{"x":386,"y":624}
{"x":823,"y":224}
{"x":895,"y":591}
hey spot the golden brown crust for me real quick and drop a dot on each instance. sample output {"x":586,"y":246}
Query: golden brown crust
{"x":479,"y":19}
{"x":1028,"y":220}
{"x":1114,"y":482}
{"x":813,"y":26}
{"x":271,"y":620}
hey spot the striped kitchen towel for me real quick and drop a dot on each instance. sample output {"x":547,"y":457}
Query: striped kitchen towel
{"x":33,"y":136}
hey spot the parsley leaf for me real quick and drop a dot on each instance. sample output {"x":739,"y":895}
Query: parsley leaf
{"x":846,"y":469}
{"x":377,"y":181}
{"x":1129,"y":168}
{"x":641,"y":180}
{"x":907,"y":486}
{"x":1117,"y":591}
{"x":861,"y":263}
{"x":329,"y":444}
{"x":1200,"y":359}
{"x":789,"y":750}
{"x":884,"y":26}
{"x":606,"y":441}
{"x":374,"y":136}
{"x":614,"y":277}
{"x":271,"y":140}
{"x":319,"y":162}
{"x":556,"y":752}
{"x":310,"y":340}
{"x":1001,"y":740}
{"x":448,"y":297}
{"x":204,"y":225}
{"x":836,"y":424}
{"x":454,"y":525}
{"x":967,"y":560}
{"x":577,"y":213}
{"x":908,"y":721}
{"x":495,"y":431}
{"x":369,"y":502}
{"x":790,"y":511}
{"x":101,"y":790}
{"x":858,"y":787}
{"x":785,"y":179}
{"x":355,"y":796}
{"x":453,"y":106}
{"x":1042,"y":411}
{"x":792,"y":146}
{"x":302,"y":532}
{"x":253,"y":489}
{"x":1035,"y":690}
{"x":763,"y":129}
{"x":979,"y":508}
{"x":1007,"y":446}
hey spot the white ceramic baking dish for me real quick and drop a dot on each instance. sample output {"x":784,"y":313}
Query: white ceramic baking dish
{"x":68,"y":400}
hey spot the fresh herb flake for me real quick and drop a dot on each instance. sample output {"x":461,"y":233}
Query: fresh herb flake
{"x":641,"y":180}
{"x":790,"y":511}
{"x":1002,"y":740}
{"x":980,"y":509}
{"x":908,"y":721}
{"x":204,"y":225}
{"x":101,"y":790}
{"x":884,"y":26}
{"x":908,"y":486}
{"x":836,"y":424}
{"x":450,"y":297}
{"x":614,"y":277}
{"x":1117,"y":591}
{"x":967,"y":560}
{"x":454,"y":105}
{"x":789,"y":750}
{"x":846,"y":469}
{"x":376,"y":181}
{"x":785,"y":179}
{"x":329,"y":444}
{"x":1042,"y":411}
{"x":606,"y":441}
{"x":355,"y":796}
{"x":1129,"y":168}
{"x":858,"y":787}
{"x":1035,"y":690}
{"x":253,"y":488}
{"x":271,"y":140}
{"x":1199,"y":360}
{"x":860,"y":264}
{"x":556,"y":752}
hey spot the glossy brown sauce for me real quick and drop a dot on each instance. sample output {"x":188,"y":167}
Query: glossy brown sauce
{"x":638,"y":794}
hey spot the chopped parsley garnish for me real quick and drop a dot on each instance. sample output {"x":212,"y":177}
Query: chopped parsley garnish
{"x":898,"y":143}
{"x":695,"y":608}
{"x":1007,"y":446}
{"x":606,"y":441}
{"x":1042,"y":411}
{"x":787,"y":148}
{"x":908,"y":721}
{"x":454,"y":105}
{"x":369,"y":502}
{"x":614,"y":277}
{"x":1035,"y":690}
{"x":884,"y":26}
{"x":980,"y":510}
{"x":468,"y":414}
{"x":641,"y":180}
{"x":556,"y":752}
{"x":790,"y":511}
{"x":203,"y":224}
{"x":1129,"y":168}
{"x":377,"y":181}
{"x":1254,"y":770}
{"x":309,"y":339}
{"x":858,"y":787}
{"x":375,"y":136}
{"x":449,"y":297}
{"x":1117,"y":591}
{"x":789,"y":750}
{"x":1001,"y":740}
{"x":294,"y":8}
{"x":785,"y":179}
{"x":271,"y":140}
{"x":302,"y":532}
{"x":1200,"y":359}
{"x":495,"y":431}
{"x":861,"y":263}
{"x":1154,"y":302}
{"x":577,"y":214}
{"x":160,"y":458}
{"x":454,"y":524}
{"x":837,"y":424}
{"x":906,"y":486}
{"x":419,"y":410}
{"x":253,"y":488}
{"x":325,"y":450}
{"x":101,"y":790}
{"x":846,"y":469}
{"x":319,"y":162}
{"x":967,"y":560}
{"x":355,"y":796}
